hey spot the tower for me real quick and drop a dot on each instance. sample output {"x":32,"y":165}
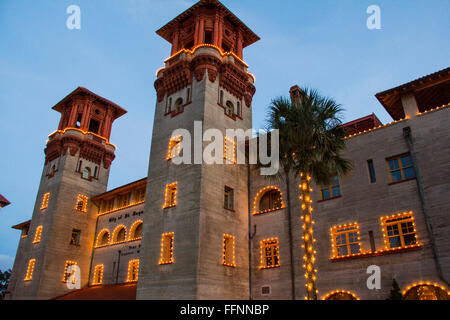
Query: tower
{"x":195,"y":240}
{"x":61,"y":232}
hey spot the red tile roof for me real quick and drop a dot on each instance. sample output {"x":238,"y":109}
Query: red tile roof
{"x":111,"y":292}
{"x":361,"y":124}
{"x":3,"y":201}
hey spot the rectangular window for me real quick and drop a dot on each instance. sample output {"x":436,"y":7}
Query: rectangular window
{"x":228,"y":198}
{"x":372,"y":176}
{"x":331,"y":191}
{"x":30,"y":270}
{"x":170,"y":195}
{"x":269,"y":253}
{"x":346,"y":240}
{"x":133,"y":270}
{"x":167,"y":248}
{"x":174,"y":147}
{"x":75,"y":239}
{"x":372,"y":241}
{"x":82,"y":202}
{"x":228,"y":251}
{"x":399,"y":231}
{"x":45,"y":200}
{"x":37,"y":235}
{"x":400,"y":168}
{"x":68,"y":272}
{"x":98,"y":275}
{"x":229,"y":150}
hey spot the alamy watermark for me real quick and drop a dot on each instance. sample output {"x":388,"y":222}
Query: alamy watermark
{"x":374,"y":20}
{"x":74,"y":20}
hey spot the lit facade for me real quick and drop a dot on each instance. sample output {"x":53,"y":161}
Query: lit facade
{"x":221,"y":231}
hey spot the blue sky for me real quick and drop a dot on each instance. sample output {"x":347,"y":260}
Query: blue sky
{"x":323,"y":44}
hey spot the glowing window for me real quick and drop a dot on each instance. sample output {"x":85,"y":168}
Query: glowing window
{"x":174,"y":147}
{"x":167,"y":248}
{"x":271,"y":200}
{"x":229,"y":150}
{"x":103,"y":238}
{"x":98,"y":275}
{"x":399,"y":231}
{"x":119,"y":234}
{"x":346,"y":240}
{"x":45,"y":199}
{"x":170,"y":195}
{"x":30,"y":270}
{"x":133,"y":270}
{"x":136,"y":230}
{"x":37,"y":235}
{"x":228,"y":251}
{"x":82,"y":202}
{"x":400,"y":168}
{"x":269,"y":253}
{"x":331,"y":191}
{"x":68,"y":274}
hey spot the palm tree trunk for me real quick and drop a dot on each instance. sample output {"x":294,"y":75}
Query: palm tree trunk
{"x":308,"y":238}
{"x":291,"y":244}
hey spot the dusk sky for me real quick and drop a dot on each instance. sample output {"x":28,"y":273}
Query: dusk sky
{"x":323,"y":44}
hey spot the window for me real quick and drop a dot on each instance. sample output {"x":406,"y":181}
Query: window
{"x":401,"y":168}
{"x":399,"y":231}
{"x":108,"y":205}
{"x":37,"y":235}
{"x":188,"y":94}
{"x":229,"y":150}
{"x":80,"y":164}
{"x":179,"y":105}
{"x":239,"y":111}
{"x":45,"y":199}
{"x":98,"y":275}
{"x":221,"y":97}
{"x":119,"y":234}
{"x":78,"y":123}
{"x":103,"y":238}
{"x":68,"y":272}
{"x":174,"y":147}
{"x":82,"y":202}
{"x":269,"y":254}
{"x":270,"y":201}
{"x":86,"y":174}
{"x":229,"y":108}
{"x":139,"y":195}
{"x":228,"y":198}
{"x":346,"y":240}
{"x":331,"y":191}
{"x":169,"y":105}
{"x":136,"y":230}
{"x":94,"y":125}
{"x":372,"y":241}
{"x":372,"y":176}
{"x":96,"y":172}
{"x":133,"y":270}
{"x":25,"y":231}
{"x":228,"y":251}
{"x":30,"y":270}
{"x":171,"y":195}
{"x":167,"y":248}
{"x":75,"y":239}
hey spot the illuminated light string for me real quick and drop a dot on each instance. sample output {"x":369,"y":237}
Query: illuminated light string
{"x":81,"y":204}
{"x":116,"y":230}
{"x":259,"y":196}
{"x":410,"y":218}
{"x":66,"y":275}
{"x":170,"y":197}
{"x":100,"y":236}
{"x":123,"y":207}
{"x":226,"y":253}
{"x":272,"y":243}
{"x":37,"y":235}
{"x":229,"y":153}
{"x":308,"y":238}
{"x":341,"y":229}
{"x":174,"y":147}
{"x":45,"y":200}
{"x":30,"y":270}
{"x":427,"y":283}
{"x":375,"y":128}
{"x":167,"y":244}
{"x":98,"y":274}
{"x":84,"y":133}
{"x":133,"y":269}
{"x":332,"y":293}
{"x":433,"y":109}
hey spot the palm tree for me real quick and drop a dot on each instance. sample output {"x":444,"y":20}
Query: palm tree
{"x":311,"y":142}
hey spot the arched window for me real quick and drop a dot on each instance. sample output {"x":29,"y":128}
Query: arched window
{"x":136,"y":230}
{"x":119,"y":234}
{"x":268,"y":199}
{"x":103,"y":238}
{"x":426,"y":291}
{"x":229,"y":108}
{"x":179,"y":105}
{"x":86,"y":174}
{"x":340,"y":295}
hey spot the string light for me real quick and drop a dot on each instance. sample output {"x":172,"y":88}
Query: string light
{"x":174,"y":147}
{"x":270,"y":246}
{"x":100,"y":236}
{"x":66,"y":275}
{"x":406,"y":217}
{"x":344,"y":229}
{"x":167,"y":243}
{"x":132,"y":235}
{"x":30,"y":270}
{"x":98,"y":275}
{"x":433,"y":109}
{"x":133,"y":269}
{"x":227,"y":239}
{"x":375,"y":128}
{"x":116,"y":232}
{"x":45,"y":200}
{"x":84,"y":133}
{"x":423,"y":283}
{"x":37,"y":235}
{"x":229,"y":153}
{"x":81,"y":204}
{"x":123,"y":207}
{"x":335,"y":292}
{"x":170,"y":198}
{"x":258,"y":197}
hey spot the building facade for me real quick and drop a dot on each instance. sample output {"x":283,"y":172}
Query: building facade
{"x":221,"y":231}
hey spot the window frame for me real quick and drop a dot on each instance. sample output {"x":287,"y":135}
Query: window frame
{"x":274,"y":245}
{"x":66,"y":275}
{"x":30,"y":270}
{"x":167,"y":248}
{"x":170,"y":196}
{"x":400,"y":168}
{"x":37,"y":235}
{"x":45,"y":200}
{"x":133,"y":269}
{"x":398,"y":220}
{"x":330,"y":188}
{"x":345,"y":229}
{"x":83,"y":199}
{"x":98,"y":273}
{"x":229,"y":258}
{"x":228,"y":198}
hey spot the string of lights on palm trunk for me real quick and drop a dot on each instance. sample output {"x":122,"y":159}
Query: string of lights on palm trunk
{"x":308,"y":237}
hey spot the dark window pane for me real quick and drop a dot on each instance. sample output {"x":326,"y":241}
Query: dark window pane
{"x":394,"y":242}
{"x":409,"y":239}
{"x":336,"y":191}
{"x":326,"y":194}
{"x":354,"y":248}
{"x":340,"y":239}
{"x":373,"y":178}
{"x":392,"y":230}
{"x":396,"y":176}
{"x":393,"y":164}
{"x":342,"y":251}
{"x":335,"y":180}
{"x":352,"y":237}
{"x":409,"y":173}
{"x":406,"y":161}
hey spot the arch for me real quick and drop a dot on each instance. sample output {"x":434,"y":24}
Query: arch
{"x":340,"y":295}
{"x":136,"y":230}
{"x":270,"y":191}
{"x":119,"y":234}
{"x":426,"y":291}
{"x":103,"y":238}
